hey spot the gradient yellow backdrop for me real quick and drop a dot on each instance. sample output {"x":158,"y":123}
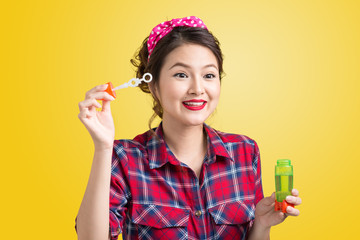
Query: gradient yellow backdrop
{"x":292,"y":84}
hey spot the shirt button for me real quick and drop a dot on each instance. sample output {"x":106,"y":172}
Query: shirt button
{"x":198,"y":213}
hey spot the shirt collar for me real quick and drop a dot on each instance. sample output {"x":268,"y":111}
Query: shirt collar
{"x":216,"y":146}
{"x":159,"y":153}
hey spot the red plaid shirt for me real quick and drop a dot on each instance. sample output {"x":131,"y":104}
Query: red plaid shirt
{"x":155,"y":196}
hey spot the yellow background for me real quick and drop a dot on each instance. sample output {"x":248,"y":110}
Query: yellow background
{"x":292,"y":84}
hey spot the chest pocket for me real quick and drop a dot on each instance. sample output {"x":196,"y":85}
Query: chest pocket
{"x":232,"y":219}
{"x":160,"y":222}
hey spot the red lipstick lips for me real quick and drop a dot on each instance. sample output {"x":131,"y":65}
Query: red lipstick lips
{"x":194,"y":104}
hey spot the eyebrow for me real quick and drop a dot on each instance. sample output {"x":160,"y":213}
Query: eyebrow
{"x":188,"y":66}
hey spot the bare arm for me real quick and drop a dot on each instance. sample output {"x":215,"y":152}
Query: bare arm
{"x":257,"y":232}
{"x":93,"y":216}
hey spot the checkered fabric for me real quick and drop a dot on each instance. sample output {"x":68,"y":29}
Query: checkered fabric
{"x":155,"y":196}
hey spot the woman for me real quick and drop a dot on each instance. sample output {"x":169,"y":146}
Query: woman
{"x":183,"y":179}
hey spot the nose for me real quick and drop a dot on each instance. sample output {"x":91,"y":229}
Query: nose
{"x":196,"y":87}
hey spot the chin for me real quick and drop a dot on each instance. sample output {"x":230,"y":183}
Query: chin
{"x":195,"y":121}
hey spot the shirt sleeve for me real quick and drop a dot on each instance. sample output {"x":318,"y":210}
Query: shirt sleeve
{"x":119,"y":191}
{"x":257,"y":170}
{"x":256,"y":165}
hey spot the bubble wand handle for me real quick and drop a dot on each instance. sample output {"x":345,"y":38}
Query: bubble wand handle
{"x":134,"y":82}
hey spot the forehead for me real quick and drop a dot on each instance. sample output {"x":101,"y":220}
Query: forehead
{"x":191,"y":54}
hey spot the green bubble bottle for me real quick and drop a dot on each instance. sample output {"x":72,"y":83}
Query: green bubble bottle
{"x":283,"y":184}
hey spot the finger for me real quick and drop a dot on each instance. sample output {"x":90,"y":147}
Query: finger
{"x":88,"y":103}
{"x":292,"y":211}
{"x":270,"y":200}
{"x":92,"y":110}
{"x":295,"y":192}
{"x":84,"y":114}
{"x":99,"y":88}
{"x":273,"y":196}
{"x":293,"y":200}
{"x":281,"y":216}
{"x":106,"y":106}
{"x":100,"y":95}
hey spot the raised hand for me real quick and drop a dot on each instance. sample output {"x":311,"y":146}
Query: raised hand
{"x":100,"y":124}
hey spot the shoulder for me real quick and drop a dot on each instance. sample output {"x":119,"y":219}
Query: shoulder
{"x":238,"y":146}
{"x":125,"y":148}
{"x":229,"y":138}
{"x":242,"y":149}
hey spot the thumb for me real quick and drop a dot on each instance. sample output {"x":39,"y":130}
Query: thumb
{"x":270,"y":200}
{"x":273,"y":196}
{"x":106,"y":106}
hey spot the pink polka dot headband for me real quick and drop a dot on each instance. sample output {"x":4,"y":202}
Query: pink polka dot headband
{"x":164,"y":28}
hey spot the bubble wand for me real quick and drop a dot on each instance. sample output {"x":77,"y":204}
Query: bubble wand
{"x":134,"y":82}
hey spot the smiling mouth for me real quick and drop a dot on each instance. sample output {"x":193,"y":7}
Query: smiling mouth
{"x":194,"y":105}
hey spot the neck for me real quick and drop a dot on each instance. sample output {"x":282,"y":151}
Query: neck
{"x":185,"y":141}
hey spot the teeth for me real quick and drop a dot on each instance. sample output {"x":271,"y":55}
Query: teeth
{"x":194,"y":103}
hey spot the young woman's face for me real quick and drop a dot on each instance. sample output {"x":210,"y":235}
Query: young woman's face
{"x":189,"y":85}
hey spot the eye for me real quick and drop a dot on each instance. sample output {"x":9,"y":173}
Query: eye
{"x":180,"y":75}
{"x":210,"y":76}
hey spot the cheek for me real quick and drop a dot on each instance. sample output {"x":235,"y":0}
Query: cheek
{"x":167,"y":94}
{"x":214,"y":90}
{"x":173,"y":90}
